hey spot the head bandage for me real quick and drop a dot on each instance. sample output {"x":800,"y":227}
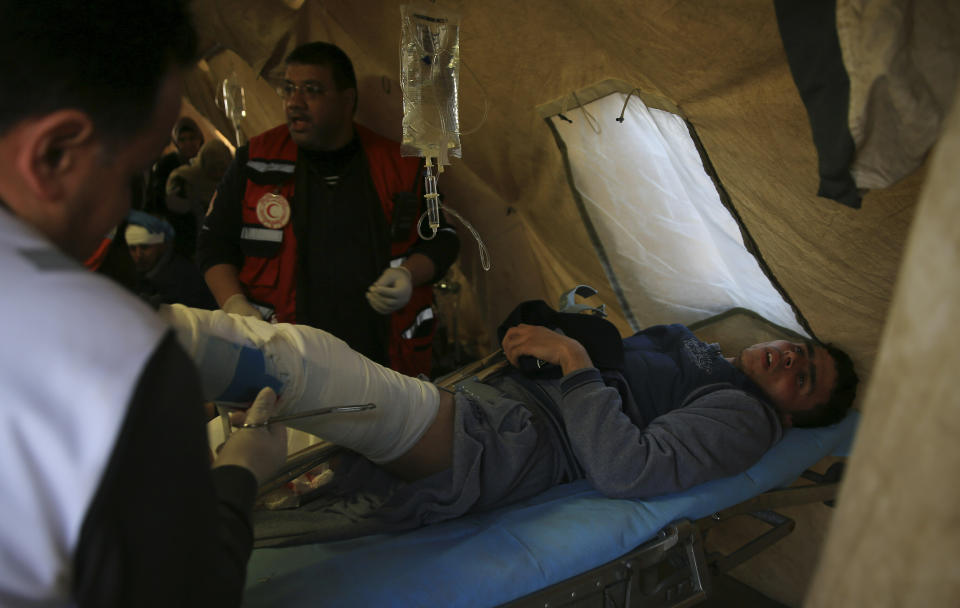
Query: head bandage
{"x":146,"y":229}
{"x":138,"y":235}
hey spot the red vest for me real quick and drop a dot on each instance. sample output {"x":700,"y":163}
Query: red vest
{"x":273,"y":280}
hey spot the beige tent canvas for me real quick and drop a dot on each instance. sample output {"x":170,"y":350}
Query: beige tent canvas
{"x":730,"y":71}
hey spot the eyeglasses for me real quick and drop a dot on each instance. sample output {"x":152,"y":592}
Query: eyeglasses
{"x":310,"y":90}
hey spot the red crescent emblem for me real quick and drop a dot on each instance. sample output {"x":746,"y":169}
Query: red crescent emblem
{"x":273,"y":210}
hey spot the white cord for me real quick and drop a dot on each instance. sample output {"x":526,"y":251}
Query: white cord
{"x":481,"y":247}
{"x":591,"y":119}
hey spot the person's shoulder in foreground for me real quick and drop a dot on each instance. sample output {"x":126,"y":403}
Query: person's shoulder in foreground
{"x":83,"y":109}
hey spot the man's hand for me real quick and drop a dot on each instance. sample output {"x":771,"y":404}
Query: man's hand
{"x":546,"y":345}
{"x":261,"y":450}
{"x":238,"y":304}
{"x":391,"y":291}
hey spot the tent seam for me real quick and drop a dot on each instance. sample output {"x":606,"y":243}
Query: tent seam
{"x":749,"y":243}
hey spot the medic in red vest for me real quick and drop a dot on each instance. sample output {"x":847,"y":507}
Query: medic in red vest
{"x":316,"y":223}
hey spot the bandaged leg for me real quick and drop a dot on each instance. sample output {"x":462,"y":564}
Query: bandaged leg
{"x":309,"y":369}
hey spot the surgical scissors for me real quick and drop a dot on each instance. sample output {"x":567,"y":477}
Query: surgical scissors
{"x":339,"y":409}
{"x":224,"y":411}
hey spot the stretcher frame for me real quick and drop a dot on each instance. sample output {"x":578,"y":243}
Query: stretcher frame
{"x":673,"y":569}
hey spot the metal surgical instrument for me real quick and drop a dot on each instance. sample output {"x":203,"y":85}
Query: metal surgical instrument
{"x":339,"y":409}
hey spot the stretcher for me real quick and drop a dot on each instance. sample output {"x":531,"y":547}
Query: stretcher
{"x":567,"y":546}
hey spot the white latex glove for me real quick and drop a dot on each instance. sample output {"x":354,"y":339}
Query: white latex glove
{"x":238,"y":304}
{"x":262,"y":450}
{"x":391,"y":291}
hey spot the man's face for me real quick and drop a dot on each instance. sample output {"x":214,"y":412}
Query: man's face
{"x":145,"y":257}
{"x":319,"y":116}
{"x":101,"y":198}
{"x":797,"y":376}
{"x":188,"y":143}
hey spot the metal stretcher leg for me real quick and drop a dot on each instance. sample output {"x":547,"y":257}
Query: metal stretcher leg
{"x":669,"y":570}
{"x":760,"y":507}
{"x":672,"y":569}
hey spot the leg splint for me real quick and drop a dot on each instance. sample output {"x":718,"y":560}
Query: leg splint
{"x":309,"y":369}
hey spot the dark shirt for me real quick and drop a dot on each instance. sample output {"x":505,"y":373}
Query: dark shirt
{"x":156,"y":190}
{"x":348,"y":250}
{"x":163,"y":529}
{"x":155,"y":201}
{"x":175,"y":280}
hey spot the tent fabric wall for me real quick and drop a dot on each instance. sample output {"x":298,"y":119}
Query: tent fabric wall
{"x":669,"y":243}
{"x":894,"y":539}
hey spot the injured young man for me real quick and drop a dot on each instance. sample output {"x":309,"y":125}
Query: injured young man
{"x":651,"y":414}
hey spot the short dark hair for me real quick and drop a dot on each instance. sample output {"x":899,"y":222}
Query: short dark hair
{"x":185,"y":124}
{"x":332,"y":56}
{"x":841,"y":397}
{"x":105,"y":58}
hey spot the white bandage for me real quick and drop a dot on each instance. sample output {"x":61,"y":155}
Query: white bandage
{"x":317,"y":369}
{"x":138,"y":235}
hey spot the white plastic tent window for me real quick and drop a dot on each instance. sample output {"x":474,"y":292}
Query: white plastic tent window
{"x":671,"y":246}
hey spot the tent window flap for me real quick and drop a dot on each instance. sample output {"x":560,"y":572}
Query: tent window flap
{"x":669,"y":246}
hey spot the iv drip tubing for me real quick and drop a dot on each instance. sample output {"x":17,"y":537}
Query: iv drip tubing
{"x":481,"y":247}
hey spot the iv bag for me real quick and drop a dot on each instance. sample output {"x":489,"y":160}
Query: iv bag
{"x":429,"y":72}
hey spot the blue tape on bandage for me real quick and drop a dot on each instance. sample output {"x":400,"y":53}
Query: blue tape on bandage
{"x":249,"y":377}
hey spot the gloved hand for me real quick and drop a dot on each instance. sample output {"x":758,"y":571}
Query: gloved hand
{"x":391,"y":291}
{"x":238,"y":304}
{"x":262,"y":450}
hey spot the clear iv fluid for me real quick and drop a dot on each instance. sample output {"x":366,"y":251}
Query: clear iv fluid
{"x":429,"y":80}
{"x":429,"y":74}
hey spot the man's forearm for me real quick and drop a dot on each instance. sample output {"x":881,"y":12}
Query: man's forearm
{"x":223,"y":281}
{"x":420,"y":266}
{"x":574,"y":357}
